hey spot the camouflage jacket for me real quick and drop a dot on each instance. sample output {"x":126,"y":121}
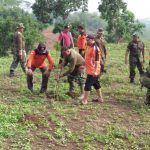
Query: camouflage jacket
{"x":101,"y":44}
{"x":135,"y":49}
{"x":19,"y":41}
{"x":74,"y":59}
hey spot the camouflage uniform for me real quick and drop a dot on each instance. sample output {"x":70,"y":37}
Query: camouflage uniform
{"x":145,"y":81}
{"x":74,"y":61}
{"x":135,"y":50}
{"x":101,"y":44}
{"x":19,"y":44}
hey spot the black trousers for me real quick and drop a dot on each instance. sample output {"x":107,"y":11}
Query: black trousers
{"x":44,"y":79}
{"x":92,"y":81}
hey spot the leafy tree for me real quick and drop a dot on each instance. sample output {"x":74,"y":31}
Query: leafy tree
{"x":10,"y":3}
{"x":8,"y":21}
{"x":121,"y":22}
{"x":91,"y":21}
{"x":46,"y":10}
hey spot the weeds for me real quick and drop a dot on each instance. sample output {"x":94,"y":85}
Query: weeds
{"x":51,"y":120}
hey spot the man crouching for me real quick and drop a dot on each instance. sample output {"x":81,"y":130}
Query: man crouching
{"x":36,"y":60}
{"x":76,"y":69}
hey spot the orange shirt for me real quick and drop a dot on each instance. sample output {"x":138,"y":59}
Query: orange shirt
{"x":92,"y":60}
{"x":81,"y":41}
{"x":36,"y":60}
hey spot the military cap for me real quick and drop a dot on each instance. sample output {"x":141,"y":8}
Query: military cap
{"x":20,"y":25}
{"x":100,"y":30}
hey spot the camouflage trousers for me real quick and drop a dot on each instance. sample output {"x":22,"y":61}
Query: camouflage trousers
{"x":103,"y":64}
{"x":16,"y":60}
{"x":78,"y":75}
{"x":148,"y":96}
{"x":133,"y":63}
{"x":44,"y":80}
{"x":145,"y":82}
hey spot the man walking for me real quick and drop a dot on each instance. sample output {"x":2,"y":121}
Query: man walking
{"x":93,"y":69}
{"x":19,"y":53}
{"x":135,"y":49}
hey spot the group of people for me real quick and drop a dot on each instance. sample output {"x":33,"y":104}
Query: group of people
{"x":85,"y":64}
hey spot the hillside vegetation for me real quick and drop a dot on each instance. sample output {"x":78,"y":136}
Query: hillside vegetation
{"x":54,"y":121}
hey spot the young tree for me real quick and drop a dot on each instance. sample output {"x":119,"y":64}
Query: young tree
{"x":45,"y":10}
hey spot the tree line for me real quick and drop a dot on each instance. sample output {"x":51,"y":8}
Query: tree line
{"x":113,"y":16}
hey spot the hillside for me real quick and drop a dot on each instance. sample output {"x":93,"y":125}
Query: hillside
{"x":54,"y":121}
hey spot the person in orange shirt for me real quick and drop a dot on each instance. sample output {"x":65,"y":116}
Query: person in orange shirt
{"x":92,"y":65}
{"x":36,"y":60}
{"x":81,"y":41}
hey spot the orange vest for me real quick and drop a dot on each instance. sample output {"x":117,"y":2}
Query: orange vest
{"x":92,"y":60}
{"x":81,"y":42}
{"x":36,"y":60}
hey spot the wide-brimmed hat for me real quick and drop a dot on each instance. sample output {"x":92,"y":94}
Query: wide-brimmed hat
{"x":20,"y":25}
{"x":135,"y":34}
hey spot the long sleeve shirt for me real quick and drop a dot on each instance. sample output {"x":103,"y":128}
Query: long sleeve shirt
{"x":38,"y":61}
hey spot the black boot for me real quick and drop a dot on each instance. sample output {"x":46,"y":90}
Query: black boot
{"x":30,"y":82}
{"x":11,"y":73}
{"x":132,"y":80}
{"x":147,"y":102}
{"x":44,"y":84}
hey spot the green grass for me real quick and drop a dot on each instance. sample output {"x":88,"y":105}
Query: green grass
{"x":53,"y":121}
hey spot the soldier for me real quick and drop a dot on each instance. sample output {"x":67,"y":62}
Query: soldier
{"x":93,"y":70}
{"x":18,"y":49}
{"x":100,"y":42}
{"x":81,"y":41}
{"x":76,"y":69}
{"x":145,"y":81}
{"x":134,"y":49}
{"x":36,"y":60}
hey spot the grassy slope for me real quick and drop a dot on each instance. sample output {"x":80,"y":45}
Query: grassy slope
{"x":38,"y":121}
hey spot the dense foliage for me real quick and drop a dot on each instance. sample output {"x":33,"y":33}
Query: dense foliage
{"x":46,"y":10}
{"x":9,"y":18}
{"x":121,"y":22}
